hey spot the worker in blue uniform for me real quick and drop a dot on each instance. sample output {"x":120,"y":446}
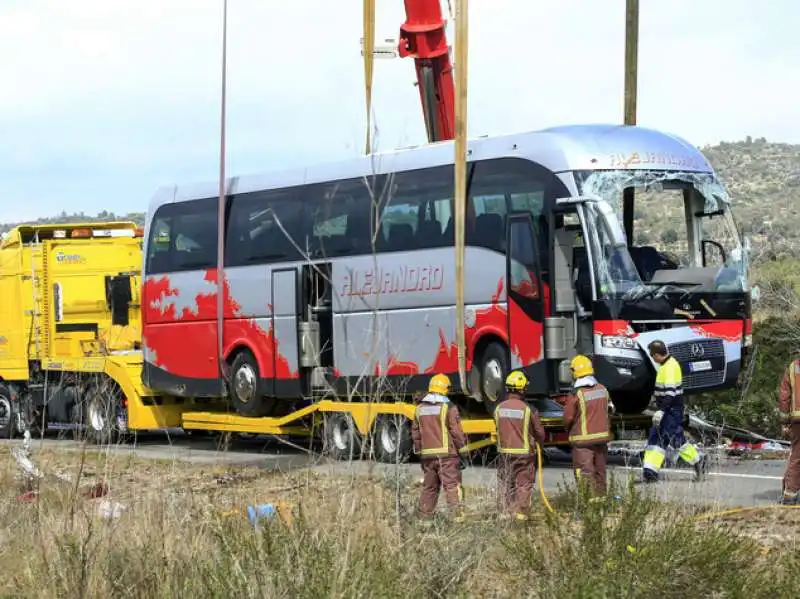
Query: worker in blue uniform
{"x":667,"y":430}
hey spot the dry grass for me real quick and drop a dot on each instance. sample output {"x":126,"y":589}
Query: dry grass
{"x":358,"y":538}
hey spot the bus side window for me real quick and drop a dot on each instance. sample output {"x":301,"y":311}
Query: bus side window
{"x":266,"y":226}
{"x":341,"y":223}
{"x":489,"y":227}
{"x":415,"y":216}
{"x":158,"y":250}
{"x":183,"y":237}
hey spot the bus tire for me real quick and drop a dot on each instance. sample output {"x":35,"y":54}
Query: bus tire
{"x":392,"y":438}
{"x":7,"y":426}
{"x":341,"y":439}
{"x":493,"y":371}
{"x":247,"y":387}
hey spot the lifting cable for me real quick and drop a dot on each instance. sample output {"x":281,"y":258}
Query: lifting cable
{"x":460,"y":199}
{"x":367,"y":50}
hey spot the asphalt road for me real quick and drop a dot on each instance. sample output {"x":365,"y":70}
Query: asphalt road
{"x":731,"y":482}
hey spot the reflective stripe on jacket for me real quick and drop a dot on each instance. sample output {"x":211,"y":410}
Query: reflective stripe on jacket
{"x":436,"y":430}
{"x":789,"y":397}
{"x":669,"y":385}
{"x":586,"y":416}
{"x":518,"y":427}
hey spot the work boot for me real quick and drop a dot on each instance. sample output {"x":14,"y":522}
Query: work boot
{"x":701,"y":468}
{"x":790,"y":498}
{"x":649,"y":476}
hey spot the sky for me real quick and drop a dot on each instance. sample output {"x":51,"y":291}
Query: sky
{"x":103,"y":102}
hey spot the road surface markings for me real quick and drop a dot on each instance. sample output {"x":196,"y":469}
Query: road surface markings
{"x":721,"y":474}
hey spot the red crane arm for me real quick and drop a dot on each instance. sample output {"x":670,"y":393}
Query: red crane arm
{"x":423,"y":38}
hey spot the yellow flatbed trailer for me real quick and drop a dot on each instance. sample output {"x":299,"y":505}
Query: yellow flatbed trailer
{"x":343,"y":425}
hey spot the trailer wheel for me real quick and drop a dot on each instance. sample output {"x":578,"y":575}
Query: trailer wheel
{"x":341,"y":439}
{"x":247,"y":387}
{"x":7,"y":428}
{"x":102,"y":405}
{"x":392,"y":438}
{"x":493,"y":371}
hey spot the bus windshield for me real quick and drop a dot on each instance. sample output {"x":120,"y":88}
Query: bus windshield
{"x":614,"y":270}
{"x":684,"y":229}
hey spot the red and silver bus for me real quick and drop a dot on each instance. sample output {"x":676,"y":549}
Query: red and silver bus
{"x":340,"y":278}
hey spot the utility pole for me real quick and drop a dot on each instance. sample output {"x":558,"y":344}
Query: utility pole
{"x":631,"y":67}
{"x":221,"y":206}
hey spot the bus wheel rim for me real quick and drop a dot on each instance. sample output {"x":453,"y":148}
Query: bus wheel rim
{"x":245,"y":383}
{"x":492,"y":379}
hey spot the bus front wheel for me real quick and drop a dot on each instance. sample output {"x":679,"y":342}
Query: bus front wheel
{"x":493,"y":371}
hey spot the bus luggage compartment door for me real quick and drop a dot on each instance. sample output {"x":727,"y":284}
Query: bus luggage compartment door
{"x":284,"y":332}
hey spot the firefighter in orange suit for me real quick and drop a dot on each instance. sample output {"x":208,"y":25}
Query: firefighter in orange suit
{"x":789,"y":408}
{"x":586,"y":418}
{"x":518,"y":431}
{"x":439,"y":440}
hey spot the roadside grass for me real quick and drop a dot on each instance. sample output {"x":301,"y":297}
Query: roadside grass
{"x":356,"y":536}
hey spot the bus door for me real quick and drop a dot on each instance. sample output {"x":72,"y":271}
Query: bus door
{"x":284,"y":332}
{"x":525,"y":303}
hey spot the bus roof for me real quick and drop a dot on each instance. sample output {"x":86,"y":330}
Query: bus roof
{"x":559,"y":149}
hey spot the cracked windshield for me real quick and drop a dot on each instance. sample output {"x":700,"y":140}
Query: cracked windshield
{"x":682,"y":224}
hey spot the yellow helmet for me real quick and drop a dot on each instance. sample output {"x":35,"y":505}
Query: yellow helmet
{"x":516,"y":381}
{"x":581,"y":366}
{"x":440,"y":383}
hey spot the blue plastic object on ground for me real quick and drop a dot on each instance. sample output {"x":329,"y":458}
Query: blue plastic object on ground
{"x":257,"y":512}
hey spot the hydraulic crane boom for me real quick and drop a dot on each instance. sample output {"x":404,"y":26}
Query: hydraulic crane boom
{"x":423,"y":38}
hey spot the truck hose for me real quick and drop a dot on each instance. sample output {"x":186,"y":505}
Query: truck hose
{"x":541,"y":480}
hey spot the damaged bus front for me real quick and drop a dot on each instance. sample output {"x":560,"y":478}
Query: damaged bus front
{"x":692,"y":292}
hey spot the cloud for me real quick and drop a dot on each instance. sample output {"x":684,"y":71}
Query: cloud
{"x":104,"y":101}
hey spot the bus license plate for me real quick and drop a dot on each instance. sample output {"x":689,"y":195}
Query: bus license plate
{"x":701,"y":366}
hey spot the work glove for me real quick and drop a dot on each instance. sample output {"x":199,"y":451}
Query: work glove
{"x":612,"y":409}
{"x":463,"y":462}
{"x":657,"y":417}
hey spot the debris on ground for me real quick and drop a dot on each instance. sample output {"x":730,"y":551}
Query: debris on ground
{"x":764,"y":449}
{"x":109,"y":510}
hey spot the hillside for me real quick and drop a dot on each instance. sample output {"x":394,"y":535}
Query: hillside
{"x":762,"y":177}
{"x":80,"y":217}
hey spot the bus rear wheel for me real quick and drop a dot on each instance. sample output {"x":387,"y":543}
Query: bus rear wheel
{"x":247,"y":387}
{"x":392,"y":438}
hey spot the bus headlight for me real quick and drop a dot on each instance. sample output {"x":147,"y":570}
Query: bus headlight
{"x":618,"y":342}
